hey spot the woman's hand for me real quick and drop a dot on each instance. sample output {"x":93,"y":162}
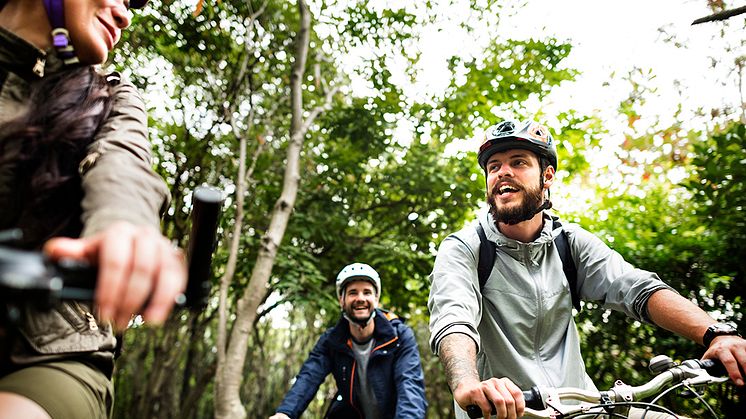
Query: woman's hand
{"x":138,"y":269}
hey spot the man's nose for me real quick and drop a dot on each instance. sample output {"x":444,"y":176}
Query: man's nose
{"x":503,"y":171}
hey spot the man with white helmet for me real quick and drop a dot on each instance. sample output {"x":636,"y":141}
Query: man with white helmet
{"x":372,"y":354}
{"x":510,"y":326}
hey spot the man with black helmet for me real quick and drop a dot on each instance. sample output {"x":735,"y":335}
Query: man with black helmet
{"x":516,"y":329}
{"x":372,"y":354}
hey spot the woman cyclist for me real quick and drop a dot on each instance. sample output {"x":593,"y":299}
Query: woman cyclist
{"x":75,"y":162}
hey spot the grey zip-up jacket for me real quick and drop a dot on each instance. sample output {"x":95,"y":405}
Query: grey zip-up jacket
{"x":522,"y":320}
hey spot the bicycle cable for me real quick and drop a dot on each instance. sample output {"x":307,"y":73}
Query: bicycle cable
{"x":701,"y":399}
{"x":649,"y":406}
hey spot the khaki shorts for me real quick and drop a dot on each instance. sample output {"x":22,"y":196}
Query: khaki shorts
{"x":65,"y":389}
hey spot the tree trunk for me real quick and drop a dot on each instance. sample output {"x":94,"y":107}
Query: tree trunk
{"x":227,"y":401}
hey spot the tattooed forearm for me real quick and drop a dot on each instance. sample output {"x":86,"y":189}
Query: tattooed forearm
{"x":458,"y":352}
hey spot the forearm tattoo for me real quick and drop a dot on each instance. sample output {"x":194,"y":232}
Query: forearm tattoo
{"x":458,"y":352}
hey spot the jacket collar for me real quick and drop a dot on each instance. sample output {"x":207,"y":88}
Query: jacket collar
{"x":383,"y":332}
{"x":494,"y":235}
{"x":25,"y":60}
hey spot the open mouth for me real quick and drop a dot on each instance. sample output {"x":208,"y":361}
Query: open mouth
{"x":506,"y":189}
{"x":361,"y":309}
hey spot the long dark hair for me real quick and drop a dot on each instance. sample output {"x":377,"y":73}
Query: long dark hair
{"x":46,"y":145}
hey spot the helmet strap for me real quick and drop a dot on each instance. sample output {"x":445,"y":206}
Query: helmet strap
{"x":60,"y":36}
{"x":359,"y":322}
{"x":547,"y":204}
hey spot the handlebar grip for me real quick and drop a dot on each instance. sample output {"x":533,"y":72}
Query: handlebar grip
{"x":207,"y":204}
{"x":532,"y":397}
{"x":713,"y":367}
{"x":79,"y":279}
{"x":475,"y":412}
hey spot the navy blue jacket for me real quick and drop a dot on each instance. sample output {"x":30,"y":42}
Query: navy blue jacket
{"x":394,"y":372}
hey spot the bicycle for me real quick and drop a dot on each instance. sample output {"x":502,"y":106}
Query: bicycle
{"x":30,"y":277}
{"x":548,"y":402}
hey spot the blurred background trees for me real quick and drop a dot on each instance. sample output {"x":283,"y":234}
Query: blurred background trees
{"x":385,"y":175}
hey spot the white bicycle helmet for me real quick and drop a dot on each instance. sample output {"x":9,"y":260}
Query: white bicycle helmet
{"x":358,"y":272}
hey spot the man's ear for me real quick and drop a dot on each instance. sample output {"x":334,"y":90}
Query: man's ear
{"x":548,"y":177}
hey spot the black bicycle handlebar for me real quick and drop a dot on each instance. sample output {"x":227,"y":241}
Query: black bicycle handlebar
{"x":207,"y":203}
{"x":28,"y":276}
{"x":713,"y":367}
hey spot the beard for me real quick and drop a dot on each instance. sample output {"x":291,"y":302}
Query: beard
{"x":356,"y":317}
{"x":531,"y":204}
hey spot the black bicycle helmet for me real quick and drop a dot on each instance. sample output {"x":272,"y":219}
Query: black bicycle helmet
{"x":528,"y":135}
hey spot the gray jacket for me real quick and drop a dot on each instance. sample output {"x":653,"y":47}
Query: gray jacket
{"x":522,"y":322}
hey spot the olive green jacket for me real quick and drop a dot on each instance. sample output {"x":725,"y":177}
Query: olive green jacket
{"x":118,"y":183}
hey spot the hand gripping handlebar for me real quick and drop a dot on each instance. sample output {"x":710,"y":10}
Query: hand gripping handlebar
{"x":30,"y":277}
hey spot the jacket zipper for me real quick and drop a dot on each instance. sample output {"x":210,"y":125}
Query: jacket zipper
{"x":92,"y":323}
{"x":352,"y":386}
{"x":38,"y":68}
{"x":528,"y":260}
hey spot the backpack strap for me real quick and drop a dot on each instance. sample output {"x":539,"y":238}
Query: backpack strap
{"x":487,"y":250}
{"x":568,"y":264}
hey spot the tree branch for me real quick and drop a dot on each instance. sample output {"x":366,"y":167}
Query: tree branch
{"x":725,"y":14}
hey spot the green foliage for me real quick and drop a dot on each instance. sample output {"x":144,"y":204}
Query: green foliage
{"x":690,"y":236}
{"x":370,"y":196}
{"x":508,"y":73}
{"x":718,"y":202}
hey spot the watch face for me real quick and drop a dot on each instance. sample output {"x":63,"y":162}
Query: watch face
{"x":723,"y":328}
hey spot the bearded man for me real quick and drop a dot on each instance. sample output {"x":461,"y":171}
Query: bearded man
{"x":515,"y":329}
{"x":371,"y":353}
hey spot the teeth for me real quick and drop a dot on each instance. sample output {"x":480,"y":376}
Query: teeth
{"x":507,"y":188}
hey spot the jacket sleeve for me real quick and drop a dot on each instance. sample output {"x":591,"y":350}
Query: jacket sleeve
{"x":604,"y":276}
{"x":408,"y":376}
{"x":117,"y":175}
{"x":311,"y":375}
{"x":455,"y":301}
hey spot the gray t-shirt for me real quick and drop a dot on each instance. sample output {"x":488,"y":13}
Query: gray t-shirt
{"x":368,"y":402}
